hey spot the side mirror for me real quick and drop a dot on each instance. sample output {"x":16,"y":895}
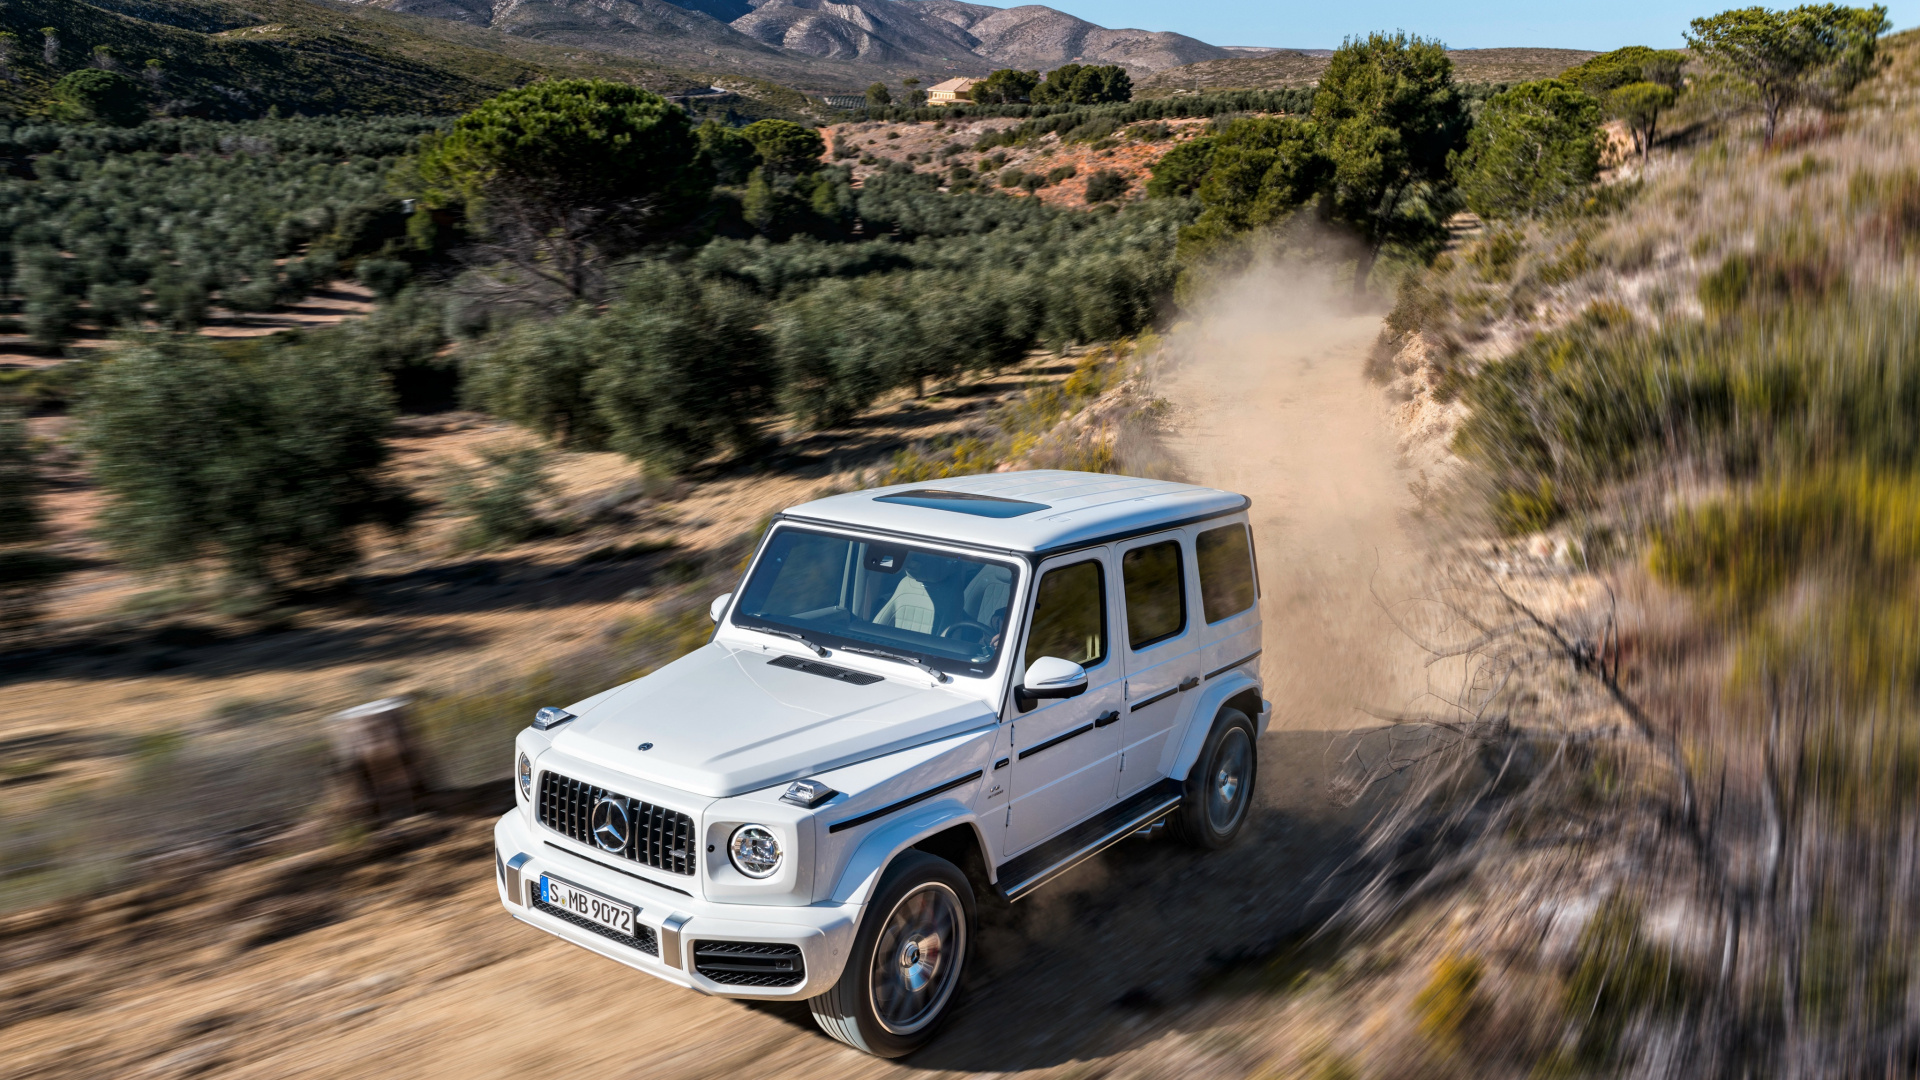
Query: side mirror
{"x":1050,"y":677}
{"x":719,"y":606}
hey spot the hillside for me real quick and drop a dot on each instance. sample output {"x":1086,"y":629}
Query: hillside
{"x":1286,"y":69}
{"x":824,"y":44}
{"x":226,"y":60}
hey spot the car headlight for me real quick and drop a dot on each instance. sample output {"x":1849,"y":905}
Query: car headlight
{"x":755,"y":851}
{"x":524,"y":770}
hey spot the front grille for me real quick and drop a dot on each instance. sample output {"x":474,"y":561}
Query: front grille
{"x":749,"y":963}
{"x":656,"y":836}
{"x":642,"y":938}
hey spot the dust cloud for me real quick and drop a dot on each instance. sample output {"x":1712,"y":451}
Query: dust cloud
{"x":1266,"y":379}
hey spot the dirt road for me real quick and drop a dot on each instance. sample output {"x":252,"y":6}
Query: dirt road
{"x":1134,"y":965}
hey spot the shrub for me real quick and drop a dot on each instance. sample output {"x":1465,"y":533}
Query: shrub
{"x":93,"y":96}
{"x":1012,"y":177}
{"x":385,"y":277}
{"x":680,"y":370}
{"x":1107,"y":184}
{"x":19,"y":504}
{"x":1534,"y":147}
{"x":535,"y":374}
{"x":267,"y":457}
{"x":1180,"y":170}
{"x":498,"y":500}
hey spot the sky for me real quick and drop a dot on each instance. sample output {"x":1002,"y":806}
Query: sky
{"x":1477,"y":24}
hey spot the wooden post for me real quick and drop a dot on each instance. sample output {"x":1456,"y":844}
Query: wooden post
{"x":377,"y":759}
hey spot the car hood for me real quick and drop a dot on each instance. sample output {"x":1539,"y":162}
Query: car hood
{"x":723,"y":721}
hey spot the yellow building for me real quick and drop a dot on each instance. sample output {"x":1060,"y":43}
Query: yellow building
{"x":951,"y":92}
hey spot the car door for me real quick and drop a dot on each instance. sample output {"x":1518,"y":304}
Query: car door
{"x":1161,"y":650}
{"x":1063,"y":753}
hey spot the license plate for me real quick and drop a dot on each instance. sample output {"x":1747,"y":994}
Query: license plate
{"x":611,"y":914}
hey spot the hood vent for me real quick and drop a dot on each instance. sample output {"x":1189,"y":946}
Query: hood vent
{"x":812,"y":667}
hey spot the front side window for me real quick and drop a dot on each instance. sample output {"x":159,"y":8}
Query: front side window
{"x":1226,"y":571}
{"x":1156,"y":593}
{"x":944,"y":609}
{"x":1070,"y":616}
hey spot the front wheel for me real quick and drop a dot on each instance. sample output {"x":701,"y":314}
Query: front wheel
{"x":1220,"y":787}
{"x":907,"y":959}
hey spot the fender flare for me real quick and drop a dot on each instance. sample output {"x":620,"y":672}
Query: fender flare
{"x":877,"y":851}
{"x":1229,"y":686}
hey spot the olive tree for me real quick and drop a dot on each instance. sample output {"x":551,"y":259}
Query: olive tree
{"x":19,"y":508}
{"x":1534,"y":147}
{"x":680,"y":370}
{"x":267,"y":458}
{"x":564,"y":175}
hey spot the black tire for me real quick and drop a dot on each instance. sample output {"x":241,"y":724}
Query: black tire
{"x":1220,"y":787}
{"x":918,"y":891}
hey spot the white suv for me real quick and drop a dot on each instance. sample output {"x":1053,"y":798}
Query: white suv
{"x":918,"y":694}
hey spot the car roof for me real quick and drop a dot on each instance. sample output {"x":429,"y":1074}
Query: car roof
{"x":1071,"y":509}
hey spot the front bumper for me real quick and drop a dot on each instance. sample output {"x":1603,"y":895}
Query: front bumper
{"x":823,"y":932}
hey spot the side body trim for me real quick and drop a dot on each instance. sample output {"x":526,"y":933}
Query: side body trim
{"x":1154,"y":700}
{"x":1056,"y":741}
{"x":1254,"y":655}
{"x":854,"y":822}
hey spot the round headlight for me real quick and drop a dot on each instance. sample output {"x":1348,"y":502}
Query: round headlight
{"x":755,"y":851}
{"x":524,"y":770}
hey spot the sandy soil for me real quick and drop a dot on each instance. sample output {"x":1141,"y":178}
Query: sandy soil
{"x":1133,"y":159}
{"x":393,"y":959}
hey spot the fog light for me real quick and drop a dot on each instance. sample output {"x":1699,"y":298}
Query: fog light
{"x":755,"y":851}
{"x":524,"y":769}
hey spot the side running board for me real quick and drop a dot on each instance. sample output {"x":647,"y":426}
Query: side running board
{"x":1024,"y":873}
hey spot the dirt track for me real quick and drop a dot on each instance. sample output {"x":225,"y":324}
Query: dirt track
{"x":1134,"y":965}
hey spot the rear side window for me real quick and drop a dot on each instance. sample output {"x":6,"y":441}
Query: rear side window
{"x":1070,"y":616}
{"x":1156,"y":593}
{"x":1226,"y":571}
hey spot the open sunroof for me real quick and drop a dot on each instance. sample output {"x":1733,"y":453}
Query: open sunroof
{"x":961,"y":502}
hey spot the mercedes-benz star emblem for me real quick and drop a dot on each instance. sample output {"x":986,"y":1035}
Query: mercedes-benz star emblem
{"x":610,"y":823}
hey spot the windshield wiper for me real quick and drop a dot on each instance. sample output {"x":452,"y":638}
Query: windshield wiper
{"x":792,"y":635}
{"x":938,"y":675}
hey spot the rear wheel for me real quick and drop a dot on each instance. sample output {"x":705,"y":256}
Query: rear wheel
{"x":907,"y":959}
{"x":1220,"y":787}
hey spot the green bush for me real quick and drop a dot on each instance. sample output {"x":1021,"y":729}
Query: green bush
{"x":1106,"y":185}
{"x":93,"y":96}
{"x":266,"y":457}
{"x":19,"y":482}
{"x":499,"y":500}
{"x":535,"y":374}
{"x":1180,"y":170}
{"x":1533,"y":148}
{"x":679,"y":370}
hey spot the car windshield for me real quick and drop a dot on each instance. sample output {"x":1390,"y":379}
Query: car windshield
{"x":946,"y":610}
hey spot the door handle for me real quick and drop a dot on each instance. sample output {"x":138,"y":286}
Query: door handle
{"x":1189,"y":682}
{"x":1105,"y":718}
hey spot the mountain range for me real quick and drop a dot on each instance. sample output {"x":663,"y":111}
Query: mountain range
{"x":825,"y":44}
